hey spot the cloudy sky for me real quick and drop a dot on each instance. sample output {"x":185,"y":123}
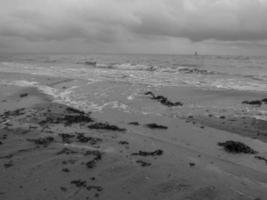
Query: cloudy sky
{"x":134,"y":26}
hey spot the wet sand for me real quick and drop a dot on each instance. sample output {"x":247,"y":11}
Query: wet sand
{"x":52,"y":151}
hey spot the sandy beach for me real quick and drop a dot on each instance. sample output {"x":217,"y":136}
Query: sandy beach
{"x":53,"y":151}
{"x":133,"y":100}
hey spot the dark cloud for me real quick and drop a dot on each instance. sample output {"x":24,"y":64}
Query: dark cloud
{"x":121,"y":21}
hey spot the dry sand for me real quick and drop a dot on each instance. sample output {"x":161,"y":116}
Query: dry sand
{"x":47,"y":154}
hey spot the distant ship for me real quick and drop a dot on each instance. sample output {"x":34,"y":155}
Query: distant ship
{"x":196,"y":53}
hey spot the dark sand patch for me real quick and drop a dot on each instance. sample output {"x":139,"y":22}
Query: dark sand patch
{"x":245,"y":126}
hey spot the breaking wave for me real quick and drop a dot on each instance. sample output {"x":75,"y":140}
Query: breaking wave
{"x":124,"y":66}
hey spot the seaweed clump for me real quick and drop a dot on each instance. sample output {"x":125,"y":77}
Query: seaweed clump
{"x":73,"y":116}
{"x":83,"y":184}
{"x":158,"y":152}
{"x":83,"y":139}
{"x":97,"y":156}
{"x":143,"y":163}
{"x":105,"y":126}
{"x":23,"y":95}
{"x":66,"y":138}
{"x":255,"y":102}
{"x":42,"y":141}
{"x":236,"y":147}
{"x":163,"y":100}
{"x":156,"y":126}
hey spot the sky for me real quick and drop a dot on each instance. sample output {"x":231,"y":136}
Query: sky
{"x":134,"y":26}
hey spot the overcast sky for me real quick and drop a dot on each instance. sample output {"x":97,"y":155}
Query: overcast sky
{"x":134,"y":26}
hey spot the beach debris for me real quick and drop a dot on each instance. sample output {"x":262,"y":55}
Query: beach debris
{"x":66,"y":170}
{"x":157,"y":152}
{"x":78,"y":183}
{"x":143,"y":163}
{"x":236,"y":147}
{"x":73,"y":116}
{"x":23,"y":95}
{"x":83,"y":139}
{"x":74,"y":119}
{"x":64,"y":189}
{"x":97,"y":156}
{"x":195,"y":71}
{"x":83,"y":184}
{"x":123,"y":142}
{"x":74,"y":110}
{"x":191,"y":164}
{"x":4,"y":137}
{"x":255,"y":102}
{"x":156,"y":126}
{"x":66,"y":138}
{"x":261,"y":158}
{"x":42,"y":141}
{"x":9,"y":164}
{"x":163,"y":100}
{"x":134,"y":123}
{"x":66,"y":151}
{"x":16,"y":112}
{"x":70,"y":161}
{"x":105,"y":126}
{"x":93,"y":187}
{"x":93,"y":63}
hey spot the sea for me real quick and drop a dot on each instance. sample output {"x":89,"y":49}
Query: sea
{"x":95,"y":82}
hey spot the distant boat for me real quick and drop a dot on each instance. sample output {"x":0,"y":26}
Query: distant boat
{"x":196,"y":53}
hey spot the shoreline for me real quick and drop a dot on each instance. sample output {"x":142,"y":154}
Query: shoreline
{"x":56,"y":151}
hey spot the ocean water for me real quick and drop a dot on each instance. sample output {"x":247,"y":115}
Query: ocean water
{"x":103,"y":81}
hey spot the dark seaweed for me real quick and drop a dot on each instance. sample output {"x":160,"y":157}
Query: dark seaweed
{"x":191,"y":164}
{"x":42,"y":141}
{"x":97,"y":156}
{"x":16,"y":112}
{"x":65,"y":170}
{"x":105,"y":126}
{"x":83,"y":184}
{"x":66,"y":137}
{"x":23,"y":95}
{"x":236,"y":147}
{"x":255,"y":102}
{"x":74,"y":116}
{"x":134,"y":123}
{"x":143,"y":163}
{"x":123,"y":142}
{"x":74,"y":110}
{"x":163,"y":100}
{"x":156,"y":126}
{"x":158,"y":152}
{"x":261,"y":158}
{"x":83,"y":139}
{"x":66,"y":151}
{"x":79,"y":183}
{"x":9,"y":164}
{"x":93,"y":187}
